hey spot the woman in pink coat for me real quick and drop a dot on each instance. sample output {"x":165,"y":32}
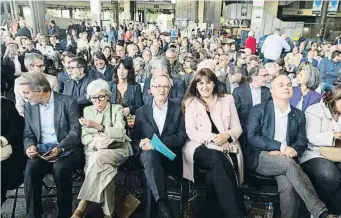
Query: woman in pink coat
{"x":212,"y":117}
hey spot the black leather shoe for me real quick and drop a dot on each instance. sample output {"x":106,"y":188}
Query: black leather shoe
{"x":164,"y":210}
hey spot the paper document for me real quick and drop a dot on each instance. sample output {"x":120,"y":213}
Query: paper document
{"x":162,"y":148}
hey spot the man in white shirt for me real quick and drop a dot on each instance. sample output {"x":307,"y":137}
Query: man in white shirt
{"x":33,"y":63}
{"x":276,"y":136}
{"x":161,"y":117}
{"x":273,"y":47}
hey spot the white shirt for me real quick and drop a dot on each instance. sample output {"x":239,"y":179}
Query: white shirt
{"x":102,"y":71}
{"x":273,"y":46}
{"x":256,"y":95}
{"x":160,"y":115}
{"x":281,"y":125}
{"x":299,"y":105}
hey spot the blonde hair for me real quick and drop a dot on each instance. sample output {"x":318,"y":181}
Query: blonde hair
{"x":11,"y":50}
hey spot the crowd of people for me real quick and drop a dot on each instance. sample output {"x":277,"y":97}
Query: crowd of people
{"x":226,"y":110}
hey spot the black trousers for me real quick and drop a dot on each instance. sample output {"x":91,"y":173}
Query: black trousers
{"x":155,"y":168}
{"x":224,"y":198}
{"x":326,"y":178}
{"x":61,"y":171}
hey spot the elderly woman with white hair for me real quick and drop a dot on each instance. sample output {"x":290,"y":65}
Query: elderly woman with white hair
{"x":106,"y":147}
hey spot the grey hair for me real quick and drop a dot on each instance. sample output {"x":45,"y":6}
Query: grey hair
{"x":171,"y":50}
{"x":31,"y":58}
{"x":313,"y":76}
{"x":146,"y":50}
{"x":152,"y":80}
{"x":163,"y":62}
{"x":139,"y":61}
{"x":97,"y":86}
{"x":37,"y":82}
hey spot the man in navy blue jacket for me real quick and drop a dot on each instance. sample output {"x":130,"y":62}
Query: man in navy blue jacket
{"x":276,"y":136}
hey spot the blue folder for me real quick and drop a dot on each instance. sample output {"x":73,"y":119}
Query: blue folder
{"x":162,"y":148}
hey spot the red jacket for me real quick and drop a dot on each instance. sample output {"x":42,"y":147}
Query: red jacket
{"x":250,"y":42}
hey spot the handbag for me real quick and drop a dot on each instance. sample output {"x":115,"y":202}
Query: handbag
{"x":235,"y":149}
{"x":332,"y":153}
{"x":5,"y":149}
{"x":102,"y":141}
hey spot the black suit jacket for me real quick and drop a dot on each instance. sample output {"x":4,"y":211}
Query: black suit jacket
{"x":176,"y":93}
{"x":243,"y":100}
{"x":261,"y":131}
{"x":67,"y":127}
{"x":173,"y":134}
{"x":132,"y":98}
{"x":24,"y":31}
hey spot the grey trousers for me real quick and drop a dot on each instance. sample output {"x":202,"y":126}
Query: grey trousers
{"x":292,"y":182}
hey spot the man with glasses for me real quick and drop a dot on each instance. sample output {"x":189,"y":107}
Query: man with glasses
{"x":80,"y":77}
{"x":250,"y":94}
{"x":51,"y":138}
{"x":162,"y":117}
{"x":34,"y":63}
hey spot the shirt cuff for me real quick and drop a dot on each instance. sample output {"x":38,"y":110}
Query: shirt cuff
{"x":283,"y":146}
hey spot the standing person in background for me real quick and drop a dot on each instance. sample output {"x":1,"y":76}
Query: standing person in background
{"x":54,"y":29}
{"x":250,"y":42}
{"x":273,"y":47}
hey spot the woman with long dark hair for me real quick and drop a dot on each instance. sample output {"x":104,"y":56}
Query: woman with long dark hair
{"x":213,"y":129}
{"x":125,"y":91}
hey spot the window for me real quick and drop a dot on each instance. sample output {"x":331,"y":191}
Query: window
{"x":82,"y":14}
{"x":66,"y":13}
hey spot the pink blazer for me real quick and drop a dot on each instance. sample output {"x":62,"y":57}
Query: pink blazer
{"x":198,"y":126}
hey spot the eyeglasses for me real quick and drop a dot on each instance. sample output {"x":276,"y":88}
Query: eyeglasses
{"x":71,"y":68}
{"x":39,"y":65}
{"x":159,"y":87}
{"x":265,"y":75}
{"x":98,"y":98}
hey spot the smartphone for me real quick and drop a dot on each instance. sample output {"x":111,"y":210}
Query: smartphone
{"x":44,"y":155}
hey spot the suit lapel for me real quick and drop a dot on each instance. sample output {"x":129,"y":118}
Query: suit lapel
{"x":291,"y":125}
{"x":149,"y":117}
{"x":248,"y":94}
{"x":57,"y":112}
{"x":271,"y":111}
{"x":170,"y":111}
{"x":35,"y":118}
{"x":263,"y":97}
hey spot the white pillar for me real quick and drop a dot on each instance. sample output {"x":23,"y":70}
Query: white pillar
{"x":126,"y":6}
{"x":257,"y":18}
{"x":95,"y":7}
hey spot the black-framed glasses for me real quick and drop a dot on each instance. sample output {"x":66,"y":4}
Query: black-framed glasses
{"x":98,"y":98}
{"x":71,"y":68}
{"x":39,"y":65}
{"x":159,"y":87}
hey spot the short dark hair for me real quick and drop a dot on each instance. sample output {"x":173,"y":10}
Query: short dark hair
{"x":53,"y":22}
{"x":335,"y":53}
{"x":99,"y":55}
{"x":127,"y":64}
{"x":81,"y":63}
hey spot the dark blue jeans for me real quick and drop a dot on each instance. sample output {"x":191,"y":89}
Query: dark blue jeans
{"x":326,"y":178}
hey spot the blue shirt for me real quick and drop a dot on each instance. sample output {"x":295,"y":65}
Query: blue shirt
{"x":329,"y":70}
{"x":47,"y":130}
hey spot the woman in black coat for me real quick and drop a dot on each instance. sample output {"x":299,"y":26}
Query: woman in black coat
{"x":12,"y":168}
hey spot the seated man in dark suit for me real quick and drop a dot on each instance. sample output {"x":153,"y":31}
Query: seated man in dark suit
{"x":250,"y":94}
{"x":51,"y":128}
{"x":80,"y":77}
{"x":276,"y":136}
{"x":55,"y":45}
{"x":163,"y":117}
{"x":161,"y":66}
{"x":310,"y":59}
{"x":69,"y":44}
